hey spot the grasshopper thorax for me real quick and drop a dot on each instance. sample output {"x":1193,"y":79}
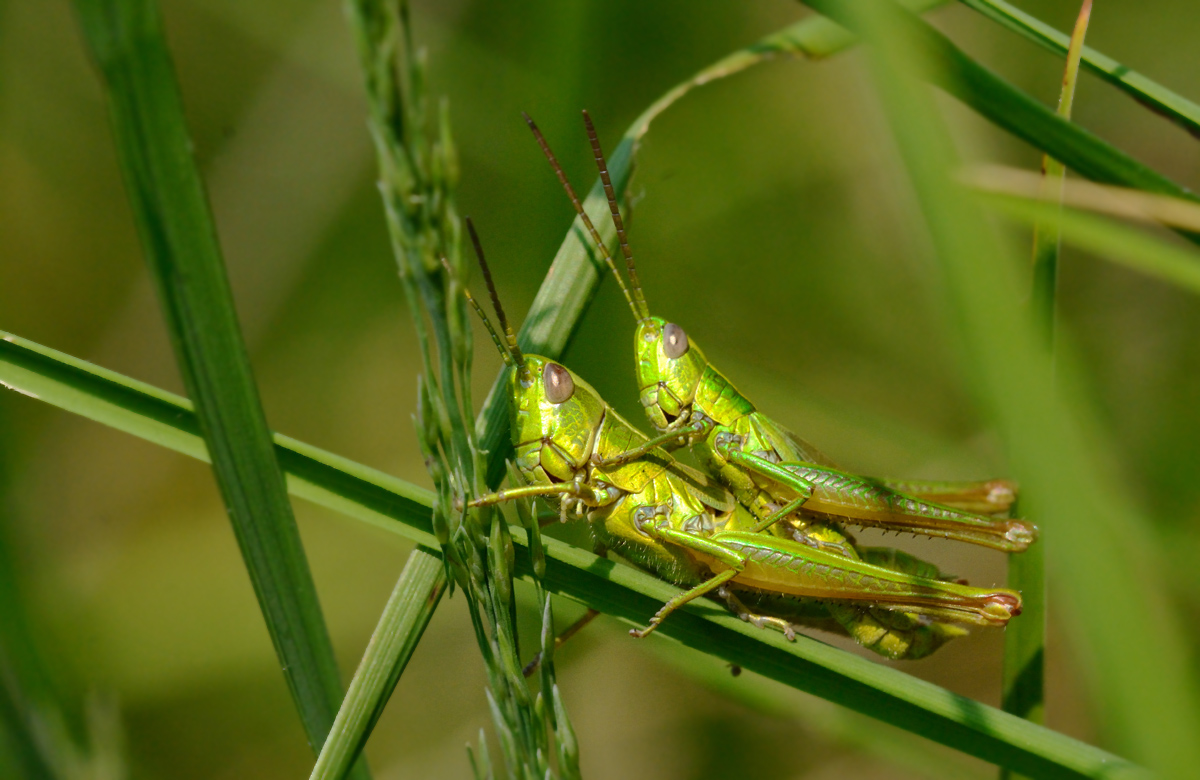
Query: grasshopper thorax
{"x":669,"y":369}
{"x":555,"y":416}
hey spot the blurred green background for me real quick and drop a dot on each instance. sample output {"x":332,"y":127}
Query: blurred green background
{"x":771,"y":220}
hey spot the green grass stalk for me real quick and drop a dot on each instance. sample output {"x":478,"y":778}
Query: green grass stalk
{"x":1146,"y":92}
{"x":170,"y":207}
{"x":1023,"y":684}
{"x":412,"y":603}
{"x":418,"y":175}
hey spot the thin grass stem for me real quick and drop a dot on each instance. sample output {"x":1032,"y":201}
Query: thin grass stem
{"x":408,"y":611}
{"x":1023,"y":682}
{"x":170,"y":208}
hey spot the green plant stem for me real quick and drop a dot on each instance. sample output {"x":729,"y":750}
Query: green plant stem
{"x":394,"y":505}
{"x":1046,"y":237}
{"x":408,"y":611}
{"x":170,"y":208}
{"x":1022,"y":691}
{"x":1023,"y":682}
{"x":418,"y":172}
{"x":1145,"y":91}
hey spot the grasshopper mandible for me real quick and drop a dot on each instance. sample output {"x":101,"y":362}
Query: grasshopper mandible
{"x":671,"y":521}
{"x":768,"y":468}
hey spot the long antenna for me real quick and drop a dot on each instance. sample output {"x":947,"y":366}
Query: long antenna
{"x":639,"y":299}
{"x":513,"y":350}
{"x":508,"y":359}
{"x":587,"y":221}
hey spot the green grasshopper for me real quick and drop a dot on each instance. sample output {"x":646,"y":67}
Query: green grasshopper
{"x":768,"y":468}
{"x":671,"y":521}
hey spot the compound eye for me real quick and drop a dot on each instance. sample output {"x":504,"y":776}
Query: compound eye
{"x":558,"y":383}
{"x":675,"y":341}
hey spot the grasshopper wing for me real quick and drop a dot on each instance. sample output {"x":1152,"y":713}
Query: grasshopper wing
{"x":986,"y":497}
{"x":705,"y":490}
{"x":801,"y":450}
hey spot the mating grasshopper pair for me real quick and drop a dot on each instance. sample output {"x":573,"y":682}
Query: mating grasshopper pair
{"x":767,"y":536}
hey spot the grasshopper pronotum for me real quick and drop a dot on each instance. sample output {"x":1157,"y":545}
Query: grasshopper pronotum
{"x":673,"y":522}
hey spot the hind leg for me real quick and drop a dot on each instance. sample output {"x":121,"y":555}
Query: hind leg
{"x":821,"y":534}
{"x":754,"y":618}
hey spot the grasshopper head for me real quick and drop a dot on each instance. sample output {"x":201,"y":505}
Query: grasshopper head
{"x":554,"y":415}
{"x":669,"y":368}
{"x":668,"y":371}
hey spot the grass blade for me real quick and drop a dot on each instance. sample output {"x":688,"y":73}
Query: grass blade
{"x":1103,"y":198}
{"x":126,"y":41}
{"x":409,"y":608}
{"x":1045,"y":238}
{"x":837,"y":726}
{"x":1150,"y":94}
{"x":1023,"y":690}
{"x":1023,"y":683}
{"x":1121,"y":244}
{"x":170,"y":421}
{"x":392,"y":504}
{"x":945,"y":65}
{"x":1099,"y":545}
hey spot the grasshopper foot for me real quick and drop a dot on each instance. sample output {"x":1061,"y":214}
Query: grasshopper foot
{"x":755,"y":619}
{"x":642,"y":633}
